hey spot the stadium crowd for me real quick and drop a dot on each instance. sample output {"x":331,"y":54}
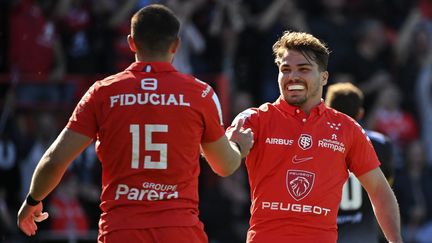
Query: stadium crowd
{"x":51,"y":51}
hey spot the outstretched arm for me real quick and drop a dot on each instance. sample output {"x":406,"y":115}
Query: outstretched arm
{"x":225,"y":154}
{"x":47,"y":175}
{"x":384,"y":204}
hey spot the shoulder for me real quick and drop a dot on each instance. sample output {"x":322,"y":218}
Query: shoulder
{"x":189,"y":84}
{"x":346,"y":123}
{"x":266,"y":107}
{"x":257,"y":111}
{"x":201,"y":86}
{"x":339,"y":117}
{"x":112,"y":79}
{"x":254,"y":114}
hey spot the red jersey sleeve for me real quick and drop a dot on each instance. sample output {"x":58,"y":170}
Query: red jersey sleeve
{"x":83,"y":119}
{"x":212,"y":115}
{"x":361,"y":157}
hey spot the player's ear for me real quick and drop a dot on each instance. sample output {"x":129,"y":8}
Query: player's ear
{"x":324,"y":77}
{"x":360,"y":114}
{"x":174,"y":45}
{"x":131,"y":43}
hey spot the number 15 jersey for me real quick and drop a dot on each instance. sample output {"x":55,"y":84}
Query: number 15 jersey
{"x":149,"y":122}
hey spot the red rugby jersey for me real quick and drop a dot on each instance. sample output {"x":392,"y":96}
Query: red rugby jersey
{"x":149,"y":121}
{"x":297,"y":168}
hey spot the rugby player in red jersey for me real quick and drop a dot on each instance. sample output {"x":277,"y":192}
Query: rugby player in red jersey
{"x":150,"y":124}
{"x":302,"y":153}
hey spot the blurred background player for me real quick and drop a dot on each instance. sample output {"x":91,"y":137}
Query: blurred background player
{"x":356,"y":221}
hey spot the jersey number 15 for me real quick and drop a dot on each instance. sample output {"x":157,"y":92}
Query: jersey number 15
{"x":162,"y":148}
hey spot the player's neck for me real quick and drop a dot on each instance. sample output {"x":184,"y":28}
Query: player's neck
{"x":161,"y":58}
{"x":308,"y":106}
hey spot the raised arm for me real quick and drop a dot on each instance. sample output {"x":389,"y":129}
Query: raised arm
{"x":384,"y":204}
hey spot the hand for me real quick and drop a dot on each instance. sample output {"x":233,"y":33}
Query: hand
{"x":244,"y":138}
{"x":28,"y":216}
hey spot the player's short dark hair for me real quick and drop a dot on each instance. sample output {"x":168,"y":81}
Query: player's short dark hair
{"x":154,"y":28}
{"x":345,"y":97}
{"x":310,"y":46}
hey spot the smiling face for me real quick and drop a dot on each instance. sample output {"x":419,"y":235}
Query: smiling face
{"x":300,"y":80}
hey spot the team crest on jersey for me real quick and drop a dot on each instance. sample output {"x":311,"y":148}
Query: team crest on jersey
{"x":305,"y":141}
{"x":299,"y":183}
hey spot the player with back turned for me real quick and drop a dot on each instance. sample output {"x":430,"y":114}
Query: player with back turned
{"x":150,"y":123}
{"x":356,"y":222}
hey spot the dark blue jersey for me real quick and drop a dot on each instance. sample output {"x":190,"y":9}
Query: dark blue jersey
{"x":356,"y":220}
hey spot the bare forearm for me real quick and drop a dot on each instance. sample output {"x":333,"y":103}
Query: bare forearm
{"x":386,"y":210}
{"x":384,"y":203}
{"x":224,"y":157}
{"x":45,"y":178}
